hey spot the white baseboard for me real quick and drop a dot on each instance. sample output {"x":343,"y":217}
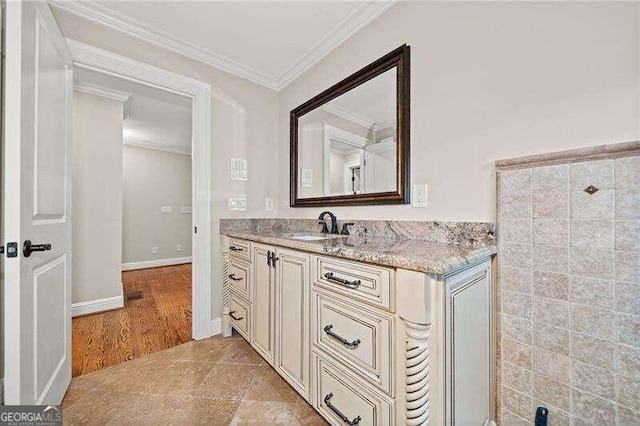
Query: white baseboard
{"x":99,"y":305}
{"x":155,"y":263}
{"x":216,"y":326}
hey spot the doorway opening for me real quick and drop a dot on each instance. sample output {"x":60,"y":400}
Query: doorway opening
{"x":132,"y":199}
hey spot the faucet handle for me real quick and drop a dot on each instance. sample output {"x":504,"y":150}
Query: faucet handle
{"x":325,"y":230}
{"x":345,"y":228}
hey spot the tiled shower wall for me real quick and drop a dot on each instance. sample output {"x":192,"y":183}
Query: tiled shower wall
{"x":569,"y":292}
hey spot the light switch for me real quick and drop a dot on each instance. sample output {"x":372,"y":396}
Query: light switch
{"x":179,"y":247}
{"x":238,"y":169}
{"x":166,"y":209}
{"x":185,"y":210}
{"x":154,"y":250}
{"x":237,"y":204}
{"x":268,"y":204}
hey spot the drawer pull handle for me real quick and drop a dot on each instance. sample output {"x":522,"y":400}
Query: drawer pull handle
{"x":353,"y":345}
{"x":234,"y":317}
{"x":327,"y":401}
{"x":234,"y":278}
{"x":236,"y":249}
{"x":342,"y":281}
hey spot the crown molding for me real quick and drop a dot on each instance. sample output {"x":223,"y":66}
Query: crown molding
{"x":348,"y":114}
{"x":142,"y":143}
{"x":105,"y":92}
{"x":384,"y":124}
{"x":100,"y":14}
{"x":364,"y":14}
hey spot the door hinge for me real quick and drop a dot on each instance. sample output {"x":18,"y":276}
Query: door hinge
{"x":195,"y":229}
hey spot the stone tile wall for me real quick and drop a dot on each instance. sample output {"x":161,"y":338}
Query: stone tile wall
{"x":569,"y":293}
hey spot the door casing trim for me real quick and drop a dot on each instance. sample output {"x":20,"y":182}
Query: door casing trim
{"x":92,"y":58}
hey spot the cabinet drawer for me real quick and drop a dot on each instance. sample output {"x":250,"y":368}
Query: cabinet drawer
{"x":371,"y":284}
{"x":239,"y":277}
{"x":342,"y":398}
{"x":360,"y":338}
{"x":239,"y":312}
{"x":239,"y":248}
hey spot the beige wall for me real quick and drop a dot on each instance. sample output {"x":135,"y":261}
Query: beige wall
{"x":152,"y":179}
{"x":244,"y":123}
{"x":97,"y":197}
{"x":489,"y":80}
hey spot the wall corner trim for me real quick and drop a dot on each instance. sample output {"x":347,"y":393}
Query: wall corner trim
{"x":98,"y":305}
{"x":155,"y":263}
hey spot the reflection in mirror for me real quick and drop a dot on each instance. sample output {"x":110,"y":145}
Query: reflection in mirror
{"x":348,"y":145}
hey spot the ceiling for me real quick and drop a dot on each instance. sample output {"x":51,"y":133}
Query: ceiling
{"x":153,"y":118}
{"x":268,"y":42}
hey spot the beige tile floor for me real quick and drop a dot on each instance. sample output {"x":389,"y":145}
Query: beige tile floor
{"x":215,"y":381}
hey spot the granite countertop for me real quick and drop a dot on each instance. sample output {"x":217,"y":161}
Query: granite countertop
{"x":418,"y":255}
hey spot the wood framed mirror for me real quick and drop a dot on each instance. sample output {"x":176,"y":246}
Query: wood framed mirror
{"x":349,"y":145}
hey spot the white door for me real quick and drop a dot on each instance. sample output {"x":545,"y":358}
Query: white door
{"x":37,"y":123}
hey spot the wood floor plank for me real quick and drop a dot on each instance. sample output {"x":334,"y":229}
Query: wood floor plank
{"x":159,"y":320}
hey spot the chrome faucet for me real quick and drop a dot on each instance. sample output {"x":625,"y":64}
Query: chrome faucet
{"x":334,"y":222}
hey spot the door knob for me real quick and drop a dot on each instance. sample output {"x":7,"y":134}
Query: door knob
{"x":28,"y":248}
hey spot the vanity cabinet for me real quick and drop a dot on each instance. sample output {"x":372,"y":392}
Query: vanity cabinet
{"x":369,"y":344}
{"x":279,"y":286}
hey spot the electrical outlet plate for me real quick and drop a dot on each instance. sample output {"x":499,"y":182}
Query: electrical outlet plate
{"x":166,"y":209}
{"x":237,"y":204}
{"x":154,"y":250}
{"x":179,"y":247}
{"x":268,"y":204}
{"x":419,"y":195}
{"x":185,"y":210}
{"x":306,"y":178}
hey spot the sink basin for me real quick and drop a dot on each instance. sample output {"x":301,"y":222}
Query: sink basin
{"x":311,"y":236}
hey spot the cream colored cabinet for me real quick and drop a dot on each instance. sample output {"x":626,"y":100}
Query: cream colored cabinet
{"x":368,"y":344}
{"x":263,"y":301}
{"x":292,"y":318}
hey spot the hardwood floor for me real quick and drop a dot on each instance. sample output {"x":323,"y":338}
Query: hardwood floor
{"x":156,"y":316}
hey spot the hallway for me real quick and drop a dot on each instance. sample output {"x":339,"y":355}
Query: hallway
{"x":156,"y":316}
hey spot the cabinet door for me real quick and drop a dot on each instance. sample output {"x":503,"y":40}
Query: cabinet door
{"x":263,"y":316}
{"x":292,"y":318}
{"x":469,"y":349}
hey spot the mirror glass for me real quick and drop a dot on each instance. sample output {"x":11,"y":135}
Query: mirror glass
{"x":348,"y":145}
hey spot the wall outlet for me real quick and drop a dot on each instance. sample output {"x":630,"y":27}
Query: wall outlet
{"x":166,"y":209}
{"x":268,"y":204}
{"x":179,"y":247}
{"x":237,"y":204}
{"x":154,"y":250}
{"x":185,"y":210}
{"x":419,"y":195}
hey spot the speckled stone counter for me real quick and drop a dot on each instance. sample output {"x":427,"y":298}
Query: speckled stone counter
{"x":380,"y":242}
